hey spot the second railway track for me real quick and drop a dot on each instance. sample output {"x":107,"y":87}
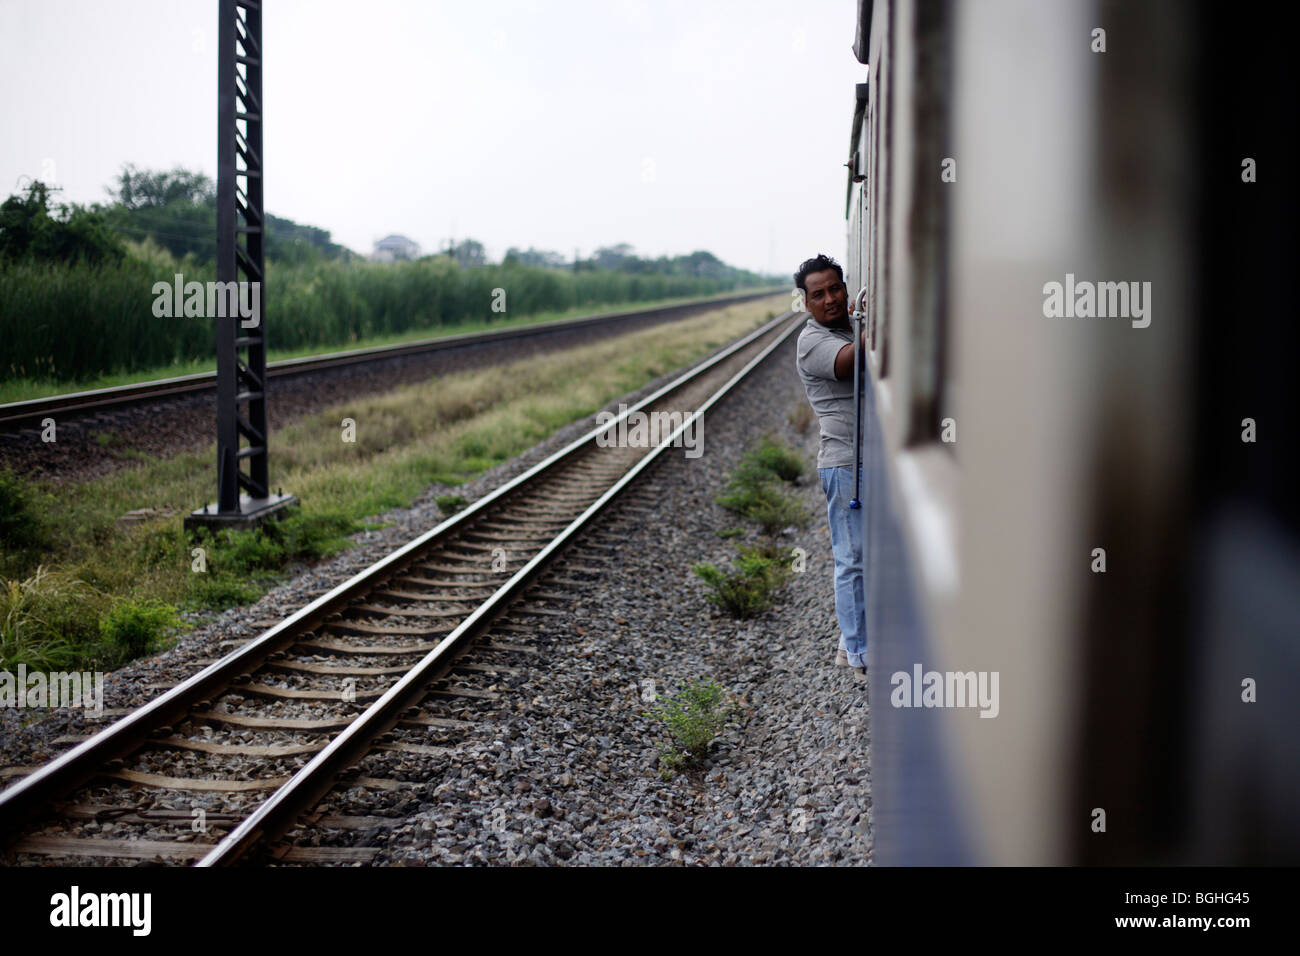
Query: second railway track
{"x":16,"y":416}
{"x":250,"y":744}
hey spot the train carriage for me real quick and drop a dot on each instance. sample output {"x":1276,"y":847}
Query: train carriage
{"x":1082,"y":559}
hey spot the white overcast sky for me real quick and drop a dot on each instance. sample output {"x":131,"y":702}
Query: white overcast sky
{"x":673,"y":125}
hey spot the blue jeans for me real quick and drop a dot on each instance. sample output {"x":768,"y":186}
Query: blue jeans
{"x":846,"y":545}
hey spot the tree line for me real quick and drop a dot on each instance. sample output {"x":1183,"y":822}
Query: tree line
{"x":76,"y":300}
{"x":177,"y":210}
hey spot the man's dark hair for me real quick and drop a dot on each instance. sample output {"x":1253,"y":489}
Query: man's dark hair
{"x":818,"y":263}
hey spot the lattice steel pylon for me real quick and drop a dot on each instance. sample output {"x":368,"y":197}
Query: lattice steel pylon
{"x":243,"y":497}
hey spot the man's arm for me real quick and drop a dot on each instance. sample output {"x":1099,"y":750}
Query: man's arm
{"x":844,"y":358}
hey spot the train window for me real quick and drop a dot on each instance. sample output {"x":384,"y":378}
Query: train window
{"x":928,"y":222}
{"x":880,"y":211}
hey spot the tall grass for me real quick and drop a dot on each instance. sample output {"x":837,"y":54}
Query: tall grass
{"x":53,"y":620}
{"x":65,"y":323}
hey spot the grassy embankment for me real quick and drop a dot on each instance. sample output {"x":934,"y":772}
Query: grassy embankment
{"x":114,"y":588}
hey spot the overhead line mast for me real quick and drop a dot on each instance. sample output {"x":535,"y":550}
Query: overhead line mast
{"x":244,"y":498}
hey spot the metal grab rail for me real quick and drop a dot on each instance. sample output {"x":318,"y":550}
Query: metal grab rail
{"x":858,"y":314}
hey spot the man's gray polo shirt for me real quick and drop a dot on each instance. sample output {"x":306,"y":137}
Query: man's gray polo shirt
{"x":830,"y":398}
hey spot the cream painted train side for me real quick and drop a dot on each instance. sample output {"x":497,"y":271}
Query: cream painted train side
{"x":1083,"y":547}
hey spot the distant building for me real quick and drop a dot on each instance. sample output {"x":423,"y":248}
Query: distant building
{"x":394,"y":247}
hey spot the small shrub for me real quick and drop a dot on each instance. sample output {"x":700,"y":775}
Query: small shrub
{"x":246,"y":551}
{"x":748,"y":475}
{"x":734,"y":592}
{"x":730,"y":532}
{"x":132,"y":629}
{"x":239,"y":563}
{"x":785,"y":463}
{"x":751,"y":588}
{"x":694,"y":716}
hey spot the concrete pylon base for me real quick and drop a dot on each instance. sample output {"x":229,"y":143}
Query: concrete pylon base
{"x":252,"y":512}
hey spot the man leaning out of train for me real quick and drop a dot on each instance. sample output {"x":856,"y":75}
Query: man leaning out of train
{"x":825,"y":362}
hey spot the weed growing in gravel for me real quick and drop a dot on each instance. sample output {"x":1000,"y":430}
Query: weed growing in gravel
{"x":450,"y":504}
{"x":749,"y":589}
{"x":755,"y":491}
{"x":780,"y":460}
{"x":765,"y":504}
{"x":694,"y":716}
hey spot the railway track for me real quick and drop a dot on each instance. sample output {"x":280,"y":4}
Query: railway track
{"x":15,"y":416}
{"x":226,"y":762}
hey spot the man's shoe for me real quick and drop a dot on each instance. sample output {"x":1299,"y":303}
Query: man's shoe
{"x":842,"y":658}
{"x":860,"y":673}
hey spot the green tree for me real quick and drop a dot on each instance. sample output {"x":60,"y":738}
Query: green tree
{"x":150,"y":188}
{"x":72,"y":233}
{"x":177,"y":208}
{"x":469,"y":253}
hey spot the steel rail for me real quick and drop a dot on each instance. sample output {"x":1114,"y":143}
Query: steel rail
{"x":29,"y":796}
{"x":29,"y":413}
{"x":305,"y":788}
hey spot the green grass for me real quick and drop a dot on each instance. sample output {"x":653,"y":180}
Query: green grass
{"x":54,"y":621}
{"x":24,"y":528}
{"x":444,"y":431}
{"x":48,"y":621}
